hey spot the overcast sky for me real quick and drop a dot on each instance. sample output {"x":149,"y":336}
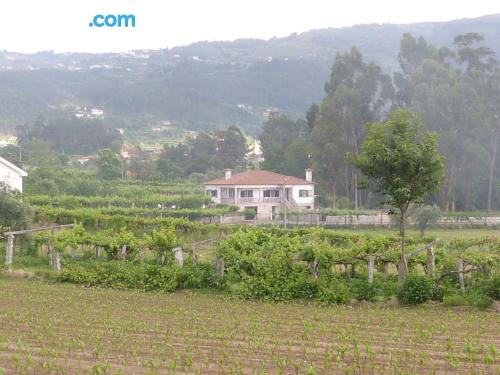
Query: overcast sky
{"x":63,"y":25}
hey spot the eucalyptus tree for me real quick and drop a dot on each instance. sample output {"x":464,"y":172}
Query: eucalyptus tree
{"x":357,"y":93}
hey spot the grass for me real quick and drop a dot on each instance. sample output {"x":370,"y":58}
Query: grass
{"x":71,"y":330}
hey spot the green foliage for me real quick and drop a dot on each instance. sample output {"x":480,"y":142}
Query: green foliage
{"x":454,"y":299}
{"x":401,"y":159}
{"x":40,"y":153}
{"x":205,"y":152}
{"x":363,"y":291}
{"x":491,"y":287}
{"x":14,"y":214}
{"x":333,"y":291}
{"x":109,"y":164}
{"x":249,"y":213}
{"x":425,"y":216}
{"x":162,"y":240}
{"x":121,"y":275}
{"x":415,"y":290}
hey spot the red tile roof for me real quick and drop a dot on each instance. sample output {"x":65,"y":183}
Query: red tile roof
{"x":259,"y":178}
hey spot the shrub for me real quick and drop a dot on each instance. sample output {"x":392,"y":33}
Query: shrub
{"x":121,"y":275}
{"x":454,"y":300}
{"x":479,"y":300}
{"x":363,"y":291}
{"x":491,"y":287}
{"x":197,"y":276}
{"x":415,"y":290}
{"x":333,"y":291}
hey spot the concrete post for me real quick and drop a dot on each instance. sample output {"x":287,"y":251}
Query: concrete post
{"x":178,"y":255}
{"x":371,"y":268}
{"x":9,"y":250}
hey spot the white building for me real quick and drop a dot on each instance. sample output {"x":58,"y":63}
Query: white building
{"x":11,"y":176}
{"x":265,"y":192}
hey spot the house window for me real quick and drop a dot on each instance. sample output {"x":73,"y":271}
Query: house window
{"x":246,"y":194}
{"x":211,"y":193}
{"x":305,"y":193}
{"x":275,"y":193}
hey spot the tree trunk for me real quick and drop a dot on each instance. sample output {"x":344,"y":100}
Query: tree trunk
{"x":334,"y":196}
{"x":492,"y":170}
{"x":355,"y":192}
{"x":403,"y":266}
{"x":9,"y":250}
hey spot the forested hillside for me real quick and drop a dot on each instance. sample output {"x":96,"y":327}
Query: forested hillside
{"x":206,"y":84}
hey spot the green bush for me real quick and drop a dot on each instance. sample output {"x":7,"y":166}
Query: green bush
{"x":491,"y":287}
{"x":121,"y":275}
{"x":415,"y":290}
{"x":363,"y":291}
{"x":333,"y":291}
{"x":198,"y":276}
{"x":479,"y":300}
{"x":454,"y":300}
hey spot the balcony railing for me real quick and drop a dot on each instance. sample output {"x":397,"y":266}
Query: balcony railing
{"x":234,"y":200}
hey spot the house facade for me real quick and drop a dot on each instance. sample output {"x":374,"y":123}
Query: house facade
{"x":11,"y":176}
{"x":263,"y":191}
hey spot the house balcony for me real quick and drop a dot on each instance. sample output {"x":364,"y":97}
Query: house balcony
{"x":238,"y":200}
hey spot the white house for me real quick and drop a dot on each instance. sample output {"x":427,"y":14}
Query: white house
{"x":11,"y":176}
{"x":263,"y":191}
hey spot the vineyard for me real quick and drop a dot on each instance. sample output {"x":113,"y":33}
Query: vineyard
{"x":229,"y":299}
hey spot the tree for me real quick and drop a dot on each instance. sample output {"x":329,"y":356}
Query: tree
{"x":357,"y":92}
{"x":162,"y":241}
{"x":14,"y":215}
{"x":402,"y":161}
{"x":109,"y":164}
{"x":39,"y":153}
{"x":285,"y":145}
{"x":424,"y":216}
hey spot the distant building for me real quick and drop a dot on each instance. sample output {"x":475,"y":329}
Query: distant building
{"x":271,"y":113}
{"x":11,"y":176}
{"x":265,"y":192}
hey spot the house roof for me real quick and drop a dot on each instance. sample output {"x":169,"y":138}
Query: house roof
{"x":13,"y":167}
{"x":259,"y":178}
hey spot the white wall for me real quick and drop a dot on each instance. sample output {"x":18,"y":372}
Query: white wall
{"x":303,"y":201}
{"x":10,"y":178}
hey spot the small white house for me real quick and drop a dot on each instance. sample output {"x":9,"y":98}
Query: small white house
{"x":263,"y":191}
{"x":11,"y":176}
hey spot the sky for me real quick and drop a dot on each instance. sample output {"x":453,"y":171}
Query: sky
{"x":63,"y":25}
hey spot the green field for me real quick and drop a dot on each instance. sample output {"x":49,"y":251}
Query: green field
{"x":71,"y":330}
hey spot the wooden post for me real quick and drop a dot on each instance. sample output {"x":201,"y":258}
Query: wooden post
{"x":431,"y":265}
{"x":178,"y":255}
{"x":314,"y":268}
{"x":371,"y":267}
{"x":460,"y":269}
{"x":9,"y":250}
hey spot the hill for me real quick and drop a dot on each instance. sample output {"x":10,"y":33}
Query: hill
{"x":204,"y":85}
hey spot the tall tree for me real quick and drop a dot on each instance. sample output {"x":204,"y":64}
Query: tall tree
{"x":357,"y":93}
{"x":402,"y":161}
